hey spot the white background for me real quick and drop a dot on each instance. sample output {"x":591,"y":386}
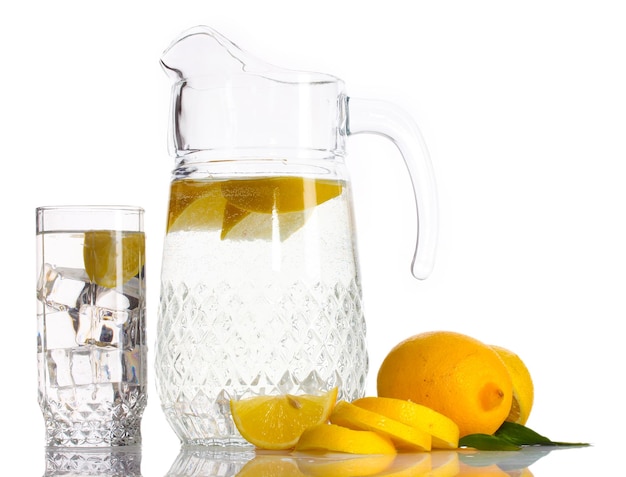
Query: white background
{"x":523,"y":107}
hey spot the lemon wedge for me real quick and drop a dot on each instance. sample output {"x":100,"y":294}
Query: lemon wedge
{"x":277,"y":422}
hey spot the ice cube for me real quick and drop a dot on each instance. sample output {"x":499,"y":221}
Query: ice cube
{"x":134,"y":361}
{"x":107,"y":328}
{"x":81,"y":366}
{"x":94,"y":365}
{"x":134,"y":292}
{"x":59,"y":368}
{"x":84,"y":332}
{"x":118,"y":316}
{"x":107,"y":365}
{"x":59,"y":330}
{"x":62,"y":288}
{"x":98,"y":326}
{"x":113,"y":305}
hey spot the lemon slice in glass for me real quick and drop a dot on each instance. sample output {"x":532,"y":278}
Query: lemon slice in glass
{"x":112,"y":257}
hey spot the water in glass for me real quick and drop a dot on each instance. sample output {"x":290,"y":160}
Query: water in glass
{"x":91,"y":346}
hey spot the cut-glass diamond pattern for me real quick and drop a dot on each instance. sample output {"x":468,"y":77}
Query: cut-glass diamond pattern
{"x":214,"y":346}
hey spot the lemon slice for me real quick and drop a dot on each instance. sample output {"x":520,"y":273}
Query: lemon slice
{"x":111,"y":257}
{"x":444,"y":432}
{"x":335,"y":438}
{"x":277,"y":422}
{"x":403,"y":436}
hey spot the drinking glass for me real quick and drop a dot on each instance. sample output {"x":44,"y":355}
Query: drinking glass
{"x":91,"y":343}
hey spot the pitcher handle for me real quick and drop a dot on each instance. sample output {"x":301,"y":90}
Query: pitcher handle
{"x":390,"y":121}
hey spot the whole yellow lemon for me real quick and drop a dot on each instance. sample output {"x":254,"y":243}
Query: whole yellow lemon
{"x":452,"y":373}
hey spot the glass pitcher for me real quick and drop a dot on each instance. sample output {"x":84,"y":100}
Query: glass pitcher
{"x":260,"y":284}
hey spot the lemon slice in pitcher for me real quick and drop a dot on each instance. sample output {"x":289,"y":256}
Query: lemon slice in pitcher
{"x":279,"y":194}
{"x":195,"y":205}
{"x":111,"y":257}
{"x":247,"y":209}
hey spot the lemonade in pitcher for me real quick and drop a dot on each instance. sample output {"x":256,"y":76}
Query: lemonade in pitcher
{"x":260,"y":281}
{"x":260,"y":295}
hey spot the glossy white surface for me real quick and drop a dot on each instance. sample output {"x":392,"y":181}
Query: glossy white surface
{"x":204,"y":462}
{"x":522,"y":105}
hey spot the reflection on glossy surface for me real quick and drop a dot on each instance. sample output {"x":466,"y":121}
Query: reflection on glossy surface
{"x":83,"y":462}
{"x":504,"y":462}
{"x":207,"y":462}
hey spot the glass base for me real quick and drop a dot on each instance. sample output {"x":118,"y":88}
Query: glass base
{"x":75,"y":423}
{"x":89,"y":434}
{"x":219,"y":444}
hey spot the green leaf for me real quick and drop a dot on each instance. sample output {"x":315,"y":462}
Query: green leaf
{"x":487,"y":442}
{"x":524,"y":436}
{"x":510,"y":436}
{"x":520,"y":435}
